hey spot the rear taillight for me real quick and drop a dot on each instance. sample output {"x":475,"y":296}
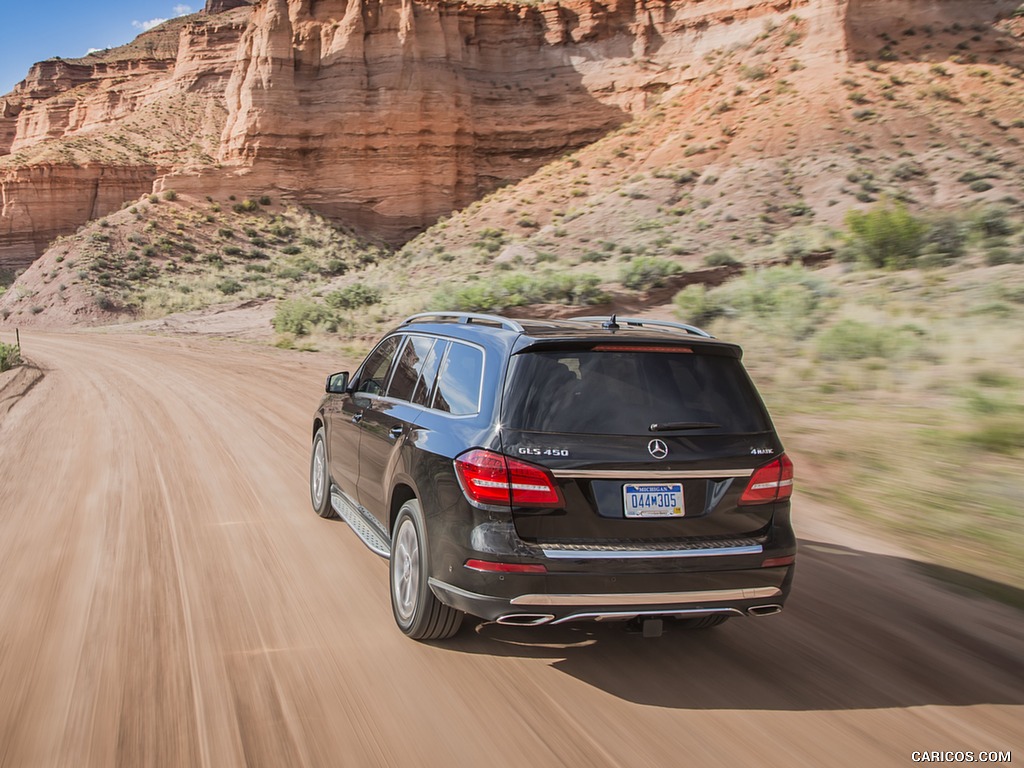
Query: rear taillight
{"x":771,"y":482}
{"x":491,"y":478}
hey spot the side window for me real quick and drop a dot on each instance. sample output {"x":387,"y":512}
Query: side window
{"x":425,"y":386}
{"x":373,"y":376}
{"x":410,"y":363}
{"x":458,"y":389}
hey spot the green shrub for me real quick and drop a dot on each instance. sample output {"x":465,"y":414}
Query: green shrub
{"x":334,"y":267}
{"x":298,"y":316}
{"x":229,"y":286}
{"x":854,"y":340}
{"x":171,"y":195}
{"x":696,"y":304}
{"x":522,"y":290}
{"x":1004,"y":436}
{"x":945,"y":240}
{"x":993,"y":221}
{"x":850,"y":340}
{"x":886,"y":235}
{"x":790,"y":301}
{"x":908,"y":170}
{"x":9,"y":357}
{"x":352,"y":296}
{"x":106,"y":303}
{"x":246,"y":206}
{"x":644,"y":273}
{"x":1000,"y":254}
{"x":721,"y":259}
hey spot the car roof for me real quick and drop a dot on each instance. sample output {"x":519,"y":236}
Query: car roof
{"x":524,"y":332}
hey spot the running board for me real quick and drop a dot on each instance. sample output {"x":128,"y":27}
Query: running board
{"x":365,"y":525}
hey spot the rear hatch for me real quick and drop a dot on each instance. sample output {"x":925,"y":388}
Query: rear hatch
{"x":649,"y":443}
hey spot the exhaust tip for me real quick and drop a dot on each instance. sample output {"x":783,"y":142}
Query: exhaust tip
{"x":525,"y":619}
{"x":764,"y":610}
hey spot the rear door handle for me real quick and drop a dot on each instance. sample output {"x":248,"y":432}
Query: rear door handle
{"x":395,"y":433}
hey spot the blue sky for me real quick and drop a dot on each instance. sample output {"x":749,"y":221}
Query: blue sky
{"x":69,"y":28}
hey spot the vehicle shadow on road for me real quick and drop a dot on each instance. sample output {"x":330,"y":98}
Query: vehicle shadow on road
{"x":860,"y":631}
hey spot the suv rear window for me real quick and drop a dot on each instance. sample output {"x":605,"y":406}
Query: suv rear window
{"x":624,"y":392}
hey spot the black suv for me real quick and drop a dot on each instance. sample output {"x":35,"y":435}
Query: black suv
{"x":536,"y":472}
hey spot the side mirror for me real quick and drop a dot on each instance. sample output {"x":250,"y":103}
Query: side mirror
{"x":337,"y":383}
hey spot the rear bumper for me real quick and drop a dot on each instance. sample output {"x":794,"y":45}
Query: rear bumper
{"x":735,"y":593}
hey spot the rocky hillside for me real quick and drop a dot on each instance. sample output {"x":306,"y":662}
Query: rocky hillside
{"x":387,"y":115}
{"x":573,"y":132}
{"x":384,"y":115}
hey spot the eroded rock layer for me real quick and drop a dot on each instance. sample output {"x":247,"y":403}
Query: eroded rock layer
{"x":382,"y":114}
{"x":41,"y":202}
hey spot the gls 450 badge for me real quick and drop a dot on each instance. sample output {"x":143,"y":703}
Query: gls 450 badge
{"x":543,"y":452}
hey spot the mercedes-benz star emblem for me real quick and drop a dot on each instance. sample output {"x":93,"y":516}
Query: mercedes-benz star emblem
{"x":658,"y":449}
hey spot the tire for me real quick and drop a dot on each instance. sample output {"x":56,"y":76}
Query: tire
{"x":418,"y":613}
{"x":702,"y":622}
{"x":320,"y":476}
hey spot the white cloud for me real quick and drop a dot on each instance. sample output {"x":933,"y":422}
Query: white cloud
{"x":93,"y":50}
{"x":179,"y":10}
{"x":145,"y":26}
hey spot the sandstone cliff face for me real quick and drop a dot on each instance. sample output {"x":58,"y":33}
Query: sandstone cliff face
{"x":41,"y":202}
{"x":390,"y":114}
{"x":219,"y":6}
{"x":383,"y":114}
{"x":80,"y":137}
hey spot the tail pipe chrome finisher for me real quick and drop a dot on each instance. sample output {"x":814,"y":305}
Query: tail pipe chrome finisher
{"x":525,"y":619}
{"x":764,"y":610}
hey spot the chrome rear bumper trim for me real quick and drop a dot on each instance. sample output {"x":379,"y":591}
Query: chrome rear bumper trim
{"x":644,"y":554}
{"x":649,"y":474}
{"x":679,"y":613}
{"x":652,"y":598}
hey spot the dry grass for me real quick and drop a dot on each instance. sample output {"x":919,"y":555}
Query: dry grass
{"x":924,"y":439}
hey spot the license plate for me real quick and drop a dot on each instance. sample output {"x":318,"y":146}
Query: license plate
{"x":651,"y":500}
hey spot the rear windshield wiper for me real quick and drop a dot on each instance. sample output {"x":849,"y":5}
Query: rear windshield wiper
{"x":674,"y":425}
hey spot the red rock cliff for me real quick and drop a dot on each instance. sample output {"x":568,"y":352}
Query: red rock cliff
{"x":384,"y":114}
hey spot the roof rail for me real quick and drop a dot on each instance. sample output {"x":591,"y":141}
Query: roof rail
{"x":465,"y":317}
{"x":635,"y":322}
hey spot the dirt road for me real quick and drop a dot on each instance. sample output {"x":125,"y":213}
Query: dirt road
{"x":168,"y":598}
